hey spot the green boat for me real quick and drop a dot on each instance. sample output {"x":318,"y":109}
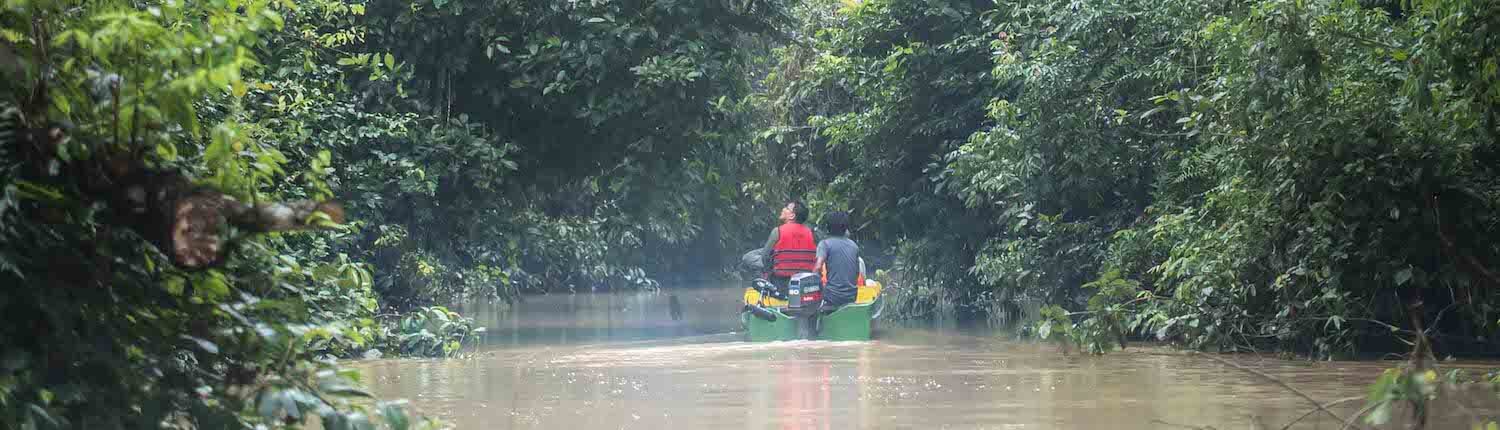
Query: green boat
{"x":772,"y":313}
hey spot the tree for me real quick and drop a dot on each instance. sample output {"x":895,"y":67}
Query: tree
{"x":140,"y":216}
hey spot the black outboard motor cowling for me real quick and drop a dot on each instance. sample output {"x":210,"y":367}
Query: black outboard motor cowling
{"x":804,"y":290}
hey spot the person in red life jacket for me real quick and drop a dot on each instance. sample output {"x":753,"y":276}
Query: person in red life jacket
{"x":791,"y":248}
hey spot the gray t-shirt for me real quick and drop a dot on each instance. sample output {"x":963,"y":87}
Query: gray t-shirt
{"x":841,"y":256}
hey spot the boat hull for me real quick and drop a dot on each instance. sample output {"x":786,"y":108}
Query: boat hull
{"x":777,"y":322}
{"x":852,"y":322}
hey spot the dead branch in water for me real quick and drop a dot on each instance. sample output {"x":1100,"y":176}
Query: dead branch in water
{"x":1323,"y":408}
{"x":1182,"y":425}
{"x":1362,"y":411}
{"x":1277,"y":381}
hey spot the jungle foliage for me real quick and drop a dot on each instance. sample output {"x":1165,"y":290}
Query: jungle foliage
{"x":592,"y":145}
{"x":1235,"y":175}
{"x":148,"y":171}
{"x":204,"y":204}
{"x":207,"y":204}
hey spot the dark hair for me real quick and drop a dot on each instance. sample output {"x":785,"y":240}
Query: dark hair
{"x":800,"y":210}
{"x":837,"y":223}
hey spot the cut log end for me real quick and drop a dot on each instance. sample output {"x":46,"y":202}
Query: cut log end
{"x":199,"y":222}
{"x":190,"y":223}
{"x":197,"y":226}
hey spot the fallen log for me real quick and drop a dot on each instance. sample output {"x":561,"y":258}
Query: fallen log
{"x":191,"y":223}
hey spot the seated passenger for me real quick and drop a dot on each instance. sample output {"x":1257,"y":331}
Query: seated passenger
{"x":838,"y":260}
{"x":790,"y":247}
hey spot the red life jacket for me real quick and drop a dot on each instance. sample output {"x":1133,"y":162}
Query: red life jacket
{"x":794,"y":251}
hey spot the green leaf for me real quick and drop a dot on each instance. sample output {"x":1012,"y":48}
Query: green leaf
{"x":1403,"y":276}
{"x":41,"y":414}
{"x":351,"y":391}
{"x":62,"y":105}
{"x":1380,"y":415}
{"x":395,"y":415}
{"x":203,"y":344}
{"x":390,"y":61}
{"x":12,"y":36}
{"x":175,"y":286}
{"x":1153,"y":111}
{"x":34,"y":191}
{"x":341,"y":386}
{"x":596,"y":20}
{"x":1382,"y":386}
{"x":167,"y":150}
{"x":214,"y":287}
{"x":439,"y":3}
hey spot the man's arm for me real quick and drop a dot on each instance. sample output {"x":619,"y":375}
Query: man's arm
{"x":822,"y":255}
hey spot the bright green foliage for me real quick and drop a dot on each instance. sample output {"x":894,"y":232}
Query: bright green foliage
{"x":567,"y":145}
{"x":1073,"y":152}
{"x":592,"y":88}
{"x":491,"y":149}
{"x":106,"y":332}
{"x":473,"y":178}
{"x":1352,"y":173}
{"x":376,"y":160}
{"x":1108,"y":319}
{"x":1230,"y":174}
{"x":432,"y":331}
{"x":1419,"y":389}
{"x":1233,"y":174}
{"x":324,"y":103}
{"x":1402,"y":385}
{"x":862,"y":117}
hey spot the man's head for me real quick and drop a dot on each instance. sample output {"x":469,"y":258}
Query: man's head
{"x":794,"y":211}
{"x":837,"y":223}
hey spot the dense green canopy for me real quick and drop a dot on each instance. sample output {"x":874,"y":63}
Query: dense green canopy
{"x":206,"y":202}
{"x":1233,"y":174}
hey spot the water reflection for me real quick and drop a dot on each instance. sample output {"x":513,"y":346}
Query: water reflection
{"x":612,"y":361}
{"x":581,"y":318}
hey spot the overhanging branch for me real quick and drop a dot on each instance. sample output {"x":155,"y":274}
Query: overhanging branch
{"x":191,"y":223}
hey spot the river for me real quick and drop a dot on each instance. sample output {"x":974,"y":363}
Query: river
{"x":618,"y":360}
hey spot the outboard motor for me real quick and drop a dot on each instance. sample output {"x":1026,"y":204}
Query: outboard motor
{"x":767,"y":289}
{"x":804,"y":291}
{"x":760,"y":312}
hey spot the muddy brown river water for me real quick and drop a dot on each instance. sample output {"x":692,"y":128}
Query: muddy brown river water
{"x":618,"y":361}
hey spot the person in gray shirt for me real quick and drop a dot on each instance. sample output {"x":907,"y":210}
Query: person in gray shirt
{"x":838,"y":260}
